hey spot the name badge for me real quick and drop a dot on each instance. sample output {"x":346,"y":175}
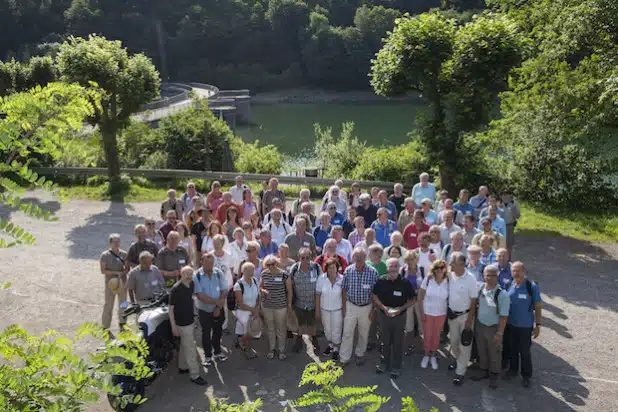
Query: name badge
{"x":523,"y":296}
{"x":218,"y":289}
{"x":305,"y":243}
{"x":278,"y":279}
{"x":154,"y":283}
{"x":313,"y":280}
{"x":366,"y":286}
{"x":396,"y":293}
{"x":412,"y":234}
{"x":181,"y":261}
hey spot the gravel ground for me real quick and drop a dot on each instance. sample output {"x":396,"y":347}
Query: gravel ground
{"x":56,"y":284}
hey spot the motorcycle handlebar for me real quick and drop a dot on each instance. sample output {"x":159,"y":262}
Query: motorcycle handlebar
{"x":135,"y":308}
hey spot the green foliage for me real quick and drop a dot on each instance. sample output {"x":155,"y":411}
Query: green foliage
{"x":137,"y":143}
{"x":126,"y":83}
{"x":339,"y":156}
{"x":253,"y":158}
{"x":45,"y":373}
{"x":336,"y":398}
{"x":392,"y":164}
{"x":408,"y":405}
{"x":195,"y":139}
{"x":79,"y":151}
{"x":221,"y":405}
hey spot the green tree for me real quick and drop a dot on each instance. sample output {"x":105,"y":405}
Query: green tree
{"x":459,"y":71}
{"x":374,"y":23}
{"x":127,"y":82}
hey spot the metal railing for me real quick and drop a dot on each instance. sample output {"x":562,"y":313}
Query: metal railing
{"x":206,"y":175}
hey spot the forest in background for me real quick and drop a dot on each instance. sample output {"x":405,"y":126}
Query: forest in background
{"x":255,"y":44}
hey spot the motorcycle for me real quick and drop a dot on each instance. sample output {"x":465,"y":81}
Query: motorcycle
{"x":153,"y":323}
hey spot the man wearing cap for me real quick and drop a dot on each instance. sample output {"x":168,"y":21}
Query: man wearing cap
{"x":113,"y":267}
{"x":493,"y":311}
{"x":300,"y":239}
{"x":367,"y":210}
{"x":423,"y":190}
{"x":278,"y":227}
{"x":140,"y":245}
{"x":462,"y":299}
{"x":497,"y":239}
{"x":171,"y":258}
{"x":181,"y":320}
{"x":171,"y":204}
{"x":145,"y":281}
{"x":414,"y":229}
{"x":237,"y":190}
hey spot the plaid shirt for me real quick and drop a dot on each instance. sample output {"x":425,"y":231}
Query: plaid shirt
{"x":304,"y":284}
{"x":355,"y":238}
{"x":358,"y":284}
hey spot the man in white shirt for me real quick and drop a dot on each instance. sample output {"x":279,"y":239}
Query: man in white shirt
{"x":278,"y":227}
{"x":463,"y":294}
{"x":448,"y":227}
{"x":237,"y":190}
{"x":344,"y":247}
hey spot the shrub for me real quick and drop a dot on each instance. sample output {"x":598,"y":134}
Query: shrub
{"x":80,"y":151}
{"x":392,"y":164}
{"x":156,"y":160}
{"x":338,"y":156}
{"x":253,"y":158}
{"x":136,"y":143}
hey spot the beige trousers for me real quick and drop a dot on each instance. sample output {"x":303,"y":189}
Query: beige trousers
{"x":188,"y":356}
{"x":355,"y":316}
{"x":108,"y":306}
{"x":460,"y":353}
{"x":276,"y":328}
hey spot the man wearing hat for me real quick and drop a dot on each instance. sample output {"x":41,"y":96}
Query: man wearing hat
{"x":144,"y":281}
{"x":113,"y":267}
{"x":485,"y":225}
{"x":462,"y":298}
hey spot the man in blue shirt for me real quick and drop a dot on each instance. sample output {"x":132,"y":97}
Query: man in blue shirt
{"x":504,"y":267}
{"x":423,"y":190}
{"x":384,"y":227}
{"x":497,"y":223}
{"x":322,"y":231}
{"x":390,"y":206}
{"x":336,"y":218}
{"x":463,"y":206}
{"x":479,"y":202}
{"x":267,"y":245}
{"x":525,"y":310}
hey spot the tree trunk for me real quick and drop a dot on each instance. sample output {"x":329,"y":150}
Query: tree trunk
{"x":161,"y":47}
{"x":110,"y":147}
{"x":447,"y":180}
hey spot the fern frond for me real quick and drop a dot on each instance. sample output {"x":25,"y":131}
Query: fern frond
{"x":371,"y":401}
{"x":312,"y":398}
{"x":20,"y":235}
{"x":348,"y":391}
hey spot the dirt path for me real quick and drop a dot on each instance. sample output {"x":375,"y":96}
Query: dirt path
{"x":56,"y":284}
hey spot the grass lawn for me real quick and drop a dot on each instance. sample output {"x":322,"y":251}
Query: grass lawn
{"x":534,"y":221}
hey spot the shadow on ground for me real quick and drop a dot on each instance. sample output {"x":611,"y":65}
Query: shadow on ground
{"x":51,"y":206}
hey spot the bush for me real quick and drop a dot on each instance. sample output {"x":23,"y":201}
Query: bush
{"x":392,"y":164}
{"x":253,"y":158}
{"x":195,"y":139}
{"x":338,"y":156}
{"x":137,"y":143}
{"x":80,"y":151}
{"x":156,"y":160}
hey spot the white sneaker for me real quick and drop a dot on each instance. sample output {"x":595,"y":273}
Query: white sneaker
{"x":434,"y":363}
{"x":425,"y":362}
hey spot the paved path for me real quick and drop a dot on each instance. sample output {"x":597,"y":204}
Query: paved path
{"x":56,"y":284}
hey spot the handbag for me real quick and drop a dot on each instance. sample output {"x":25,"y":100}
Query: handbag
{"x":255,"y":326}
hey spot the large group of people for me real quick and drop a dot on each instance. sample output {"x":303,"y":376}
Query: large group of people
{"x":358,"y":271}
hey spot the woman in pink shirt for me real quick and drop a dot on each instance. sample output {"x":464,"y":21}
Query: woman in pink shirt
{"x":215,"y":197}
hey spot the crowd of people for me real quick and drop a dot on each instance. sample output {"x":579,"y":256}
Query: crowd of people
{"x":364,"y":270}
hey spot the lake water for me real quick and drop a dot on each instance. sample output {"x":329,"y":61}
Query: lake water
{"x":290,"y":126}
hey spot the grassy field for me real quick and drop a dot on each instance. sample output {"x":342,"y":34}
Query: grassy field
{"x":534,"y":221}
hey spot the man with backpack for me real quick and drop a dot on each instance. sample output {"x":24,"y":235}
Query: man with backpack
{"x":211,"y":291}
{"x":524,"y":323}
{"x":492,"y":313}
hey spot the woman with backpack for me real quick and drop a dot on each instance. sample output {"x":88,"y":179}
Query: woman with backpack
{"x":247,"y":298}
{"x":432,"y":299}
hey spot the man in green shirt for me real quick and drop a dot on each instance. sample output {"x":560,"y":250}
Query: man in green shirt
{"x":375,"y":259}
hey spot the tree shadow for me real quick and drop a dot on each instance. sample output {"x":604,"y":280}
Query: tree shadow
{"x":581,"y":273}
{"x":90,"y":239}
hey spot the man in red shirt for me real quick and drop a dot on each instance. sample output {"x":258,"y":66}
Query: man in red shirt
{"x":330,"y":251}
{"x":411,"y":232}
{"x":221,"y":211}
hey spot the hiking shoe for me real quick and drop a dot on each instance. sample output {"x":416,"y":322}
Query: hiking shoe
{"x":220,"y":357}
{"x":395,"y":373}
{"x":458,"y":380}
{"x":425,"y":362}
{"x":282,"y":356}
{"x":271,"y":355}
{"x":199,"y":381}
{"x":335,"y":355}
{"x":328,"y":351}
{"x":434,"y":363}
{"x":207,"y":362}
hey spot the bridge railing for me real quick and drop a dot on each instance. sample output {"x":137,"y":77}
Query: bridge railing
{"x":206,"y":175}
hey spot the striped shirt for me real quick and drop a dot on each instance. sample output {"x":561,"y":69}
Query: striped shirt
{"x":358,"y":284}
{"x":356,"y":237}
{"x":274,"y":283}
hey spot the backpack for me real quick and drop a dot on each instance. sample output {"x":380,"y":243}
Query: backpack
{"x":528,"y":290}
{"x":496,"y":296}
{"x":270,"y":226}
{"x":231,"y":296}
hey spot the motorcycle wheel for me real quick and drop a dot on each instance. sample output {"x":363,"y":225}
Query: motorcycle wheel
{"x":129,"y":388}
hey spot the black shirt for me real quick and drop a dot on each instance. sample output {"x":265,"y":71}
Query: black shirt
{"x":181,"y":297}
{"x":348,"y":227}
{"x":393,"y":293}
{"x":398,"y":201}
{"x":370,"y":214}
{"x":137,"y":248}
{"x":200,"y":231}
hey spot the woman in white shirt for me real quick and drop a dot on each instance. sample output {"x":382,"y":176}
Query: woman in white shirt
{"x":186,"y":242}
{"x":238,"y":249}
{"x":435,"y":243}
{"x":247,"y":302}
{"x":329,"y":306}
{"x":214,"y":229}
{"x":433,"y":298}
